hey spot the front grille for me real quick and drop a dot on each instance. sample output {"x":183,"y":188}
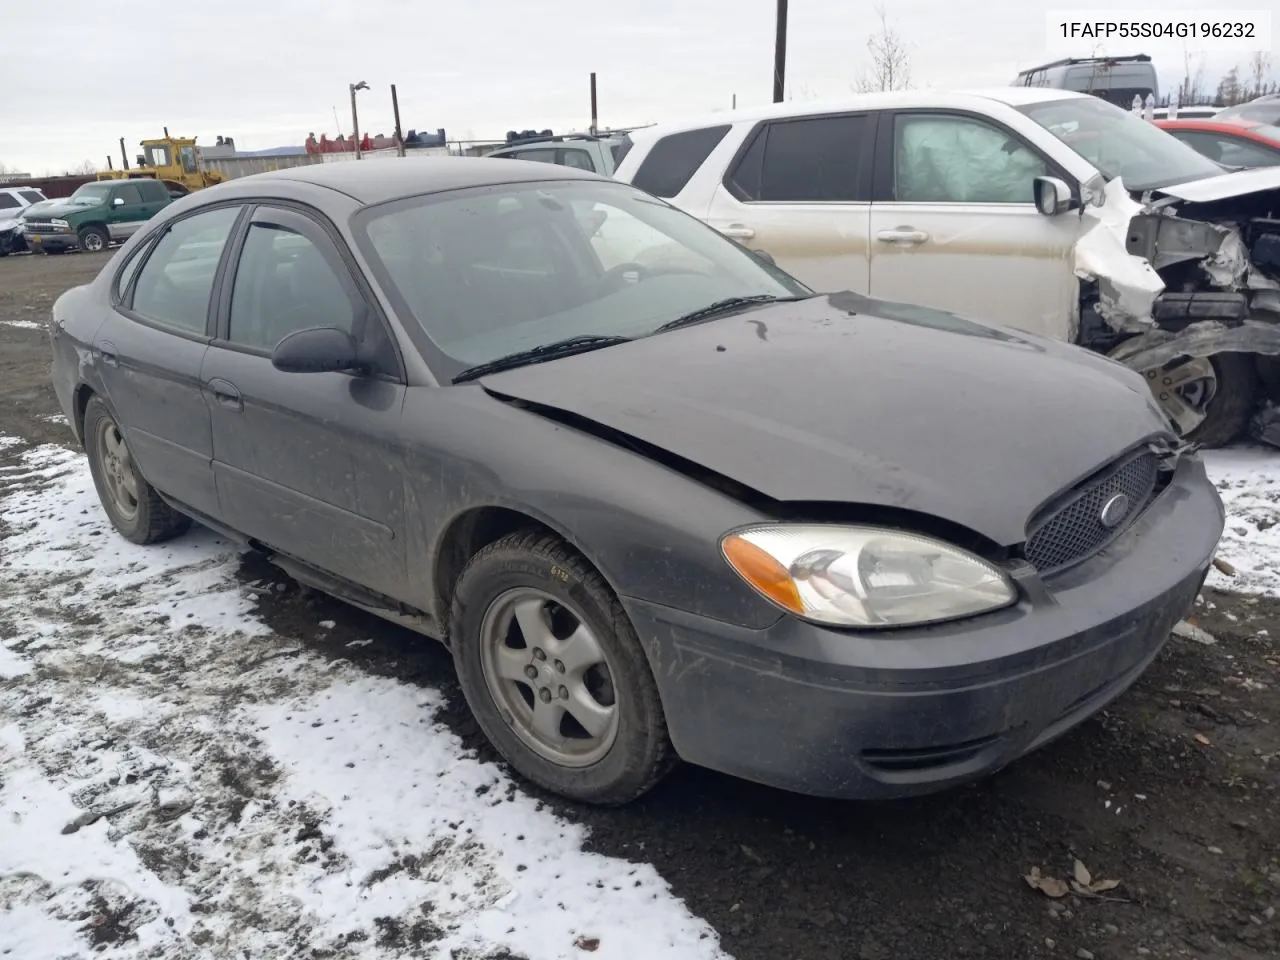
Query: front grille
{"x":1073,"y":531}
{"x":37,"y":226}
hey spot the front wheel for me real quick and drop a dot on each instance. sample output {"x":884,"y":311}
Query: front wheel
{"x":554,"y":673}
{"x":134,"y":507}
{"x":1208,"y":399}
{"x":93,"y":239}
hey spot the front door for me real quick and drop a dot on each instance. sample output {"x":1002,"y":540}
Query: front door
{"x":800,"y":192}
{"x":127,"y":211}
{"x":958,"y":228}
{"x":150,"y":350}
{"x":306,"y":463}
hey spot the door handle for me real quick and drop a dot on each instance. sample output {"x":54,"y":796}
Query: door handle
{"x":738,"y":231}
{"x":226,"y":393}
{"x":902,"y":235}
{"x":107,"y":351}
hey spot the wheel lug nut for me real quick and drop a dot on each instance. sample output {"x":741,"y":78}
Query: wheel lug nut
{"x":544,"y":695}
{"x":564,"y":693}
{"x":538,"y":654}
{"x":531,"y":671}
{"x":559,"y":667}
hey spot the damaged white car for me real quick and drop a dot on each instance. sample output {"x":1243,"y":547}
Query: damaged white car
{"x":1042,"y":210}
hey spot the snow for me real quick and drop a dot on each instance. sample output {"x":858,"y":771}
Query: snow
{"x":1248,"y":480}
{"x":23,"y":324}
{"x":178,"y":780}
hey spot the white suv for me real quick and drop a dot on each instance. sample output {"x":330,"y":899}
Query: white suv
{"x":1043,"y":210}
{"x":14,"y":200}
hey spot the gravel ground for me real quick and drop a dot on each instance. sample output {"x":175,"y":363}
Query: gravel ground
{"x":200,"y":759}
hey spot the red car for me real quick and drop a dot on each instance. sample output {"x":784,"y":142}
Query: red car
{"x":1232,"y":143}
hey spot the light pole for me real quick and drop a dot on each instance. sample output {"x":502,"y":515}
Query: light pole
{"x":355,"y":122}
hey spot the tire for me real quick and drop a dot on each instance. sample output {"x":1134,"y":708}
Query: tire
{"x":532,"y":570}
{"x":147,"y":519}
{"x":1230,"y":409}
{"x":94,"y":239}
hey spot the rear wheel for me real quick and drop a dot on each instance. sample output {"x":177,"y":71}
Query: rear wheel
{"x":133,"y":505}
{"x":93,"y":239}
{"x":554,"y":673}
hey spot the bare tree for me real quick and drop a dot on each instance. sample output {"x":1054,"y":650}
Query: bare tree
{"x":1230,"y":90}
{"x":85,"y":167}
{"x":1192,"y":90}
{"x":1259,"y":72}
{"x":890,"y":58}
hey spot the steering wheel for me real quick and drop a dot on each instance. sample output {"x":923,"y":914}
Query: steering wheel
{"x":610,"y":278}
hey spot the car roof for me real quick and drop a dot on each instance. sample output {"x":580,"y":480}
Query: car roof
{"x":389,"y":178}
{"x":981,"y":96}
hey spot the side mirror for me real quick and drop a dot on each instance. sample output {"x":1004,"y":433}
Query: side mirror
{"x":316,"y":350}
{"x":1053,"y":196}
{"x":764,"y":256}
{"x":117,"y":202}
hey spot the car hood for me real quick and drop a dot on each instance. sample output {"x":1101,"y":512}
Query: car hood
{"x":1212,"y":189}
{"x":844,"y":399}
{"x":49,"y":209}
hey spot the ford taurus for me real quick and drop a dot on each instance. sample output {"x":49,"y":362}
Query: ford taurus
{"x":659,"y":499}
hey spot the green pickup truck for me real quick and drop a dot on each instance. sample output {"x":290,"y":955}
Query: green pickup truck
{"x":96,"y":215}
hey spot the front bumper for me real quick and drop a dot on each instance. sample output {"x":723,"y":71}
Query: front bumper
{"x":863,"y":715}
{"x":38,"y":242}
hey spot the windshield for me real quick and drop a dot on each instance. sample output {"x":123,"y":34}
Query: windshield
{"x":91,"y":193}
{"x":1120,"y":143}
{"x":493,"y":270}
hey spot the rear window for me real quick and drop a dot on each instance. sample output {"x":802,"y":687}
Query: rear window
{"x":675,"y":158}
{"x":31,"y":196}
{"x":814,"y":160}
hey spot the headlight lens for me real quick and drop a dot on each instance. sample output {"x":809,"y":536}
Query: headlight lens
{"x":865,"y":576}
{"x":60,"y":223}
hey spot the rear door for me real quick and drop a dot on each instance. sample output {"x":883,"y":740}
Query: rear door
{"x":306,"y":463}
{"x":800,"y":190}
{"x":150,"y":348}
{"x":954,"y":224}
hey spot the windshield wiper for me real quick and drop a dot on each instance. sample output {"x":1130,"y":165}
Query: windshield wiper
{"x":728,"y":305}
{"x":547,"y":351}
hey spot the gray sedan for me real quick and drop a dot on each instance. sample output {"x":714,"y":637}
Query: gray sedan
{"x":660,"y":500}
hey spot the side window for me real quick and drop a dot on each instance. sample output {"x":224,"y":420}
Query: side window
{"x":674,"y":159}
{"x":1232,"y":151}
{"x":8,"y":200}
{"x":130,"y":268}
{"x":952,"y":159}
{"x":158,"y":156}
{"x":574,"y":157}
{"x":541,"y":156}
{"x":173,"y":286}
{"x":284,"y":282}
{"x":815,"y":160}
{"x":187,"y":156}
{"x":129,"y":193}
{"x":31,"y":196}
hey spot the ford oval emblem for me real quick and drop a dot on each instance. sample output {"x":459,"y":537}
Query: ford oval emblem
{"x":1114,"y":510}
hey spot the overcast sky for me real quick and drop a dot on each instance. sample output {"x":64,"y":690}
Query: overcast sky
{"x":76,"y":75}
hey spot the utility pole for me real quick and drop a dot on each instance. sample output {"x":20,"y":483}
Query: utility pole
{"x":780,"y":52}
{"x":395,"y":109}
{"x":595,"y":126}
{"x":355,"y":122}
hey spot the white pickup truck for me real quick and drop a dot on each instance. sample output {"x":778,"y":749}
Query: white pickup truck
{"x":1047,"y":211}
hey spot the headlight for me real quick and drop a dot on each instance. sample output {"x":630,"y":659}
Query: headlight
{"x":864,"y":576}
{"x":60,"y":223}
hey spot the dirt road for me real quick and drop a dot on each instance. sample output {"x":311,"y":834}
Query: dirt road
{"x":1174,"y":792}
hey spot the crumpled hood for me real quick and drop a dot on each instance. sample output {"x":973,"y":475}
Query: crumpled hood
{"x":845,"y":399}
{"x":1229,"y":185}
